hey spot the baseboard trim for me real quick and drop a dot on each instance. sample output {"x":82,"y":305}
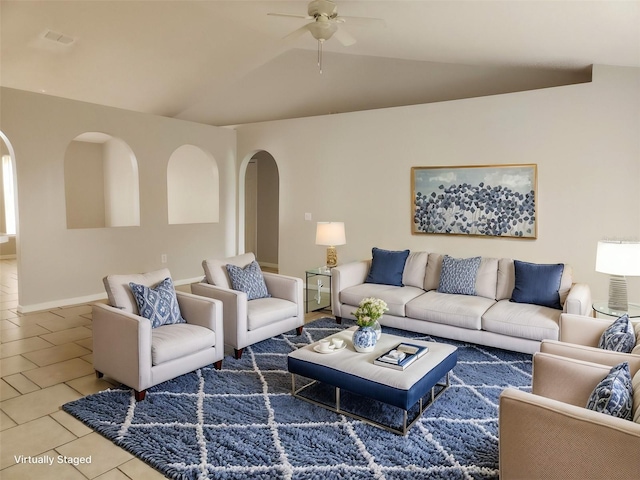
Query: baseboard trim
{"x":69,"y":302}
{"x":8,"y":257}
{"x":268,"y":265}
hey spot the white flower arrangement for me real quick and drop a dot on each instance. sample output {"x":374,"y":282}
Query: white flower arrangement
{"x":369,"y":310}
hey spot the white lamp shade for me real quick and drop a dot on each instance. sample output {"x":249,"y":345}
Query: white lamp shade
{"x":330,"y":234}
{"x":618,"y":258}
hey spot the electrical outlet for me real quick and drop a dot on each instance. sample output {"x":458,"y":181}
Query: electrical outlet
{"x":307,"y":216}
{"x":163,"y":258}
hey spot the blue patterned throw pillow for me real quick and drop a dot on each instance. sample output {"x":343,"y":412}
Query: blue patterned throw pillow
{"x":614,"y":394}
{"x":458,"y":275}
{"x":619,"y":336}
{"x":248,"y":280}
{"x":159,"y":304}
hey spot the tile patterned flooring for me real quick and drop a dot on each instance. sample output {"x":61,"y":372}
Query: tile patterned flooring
{"x":46,"y":361}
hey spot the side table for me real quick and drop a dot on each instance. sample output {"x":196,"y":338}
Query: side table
{"x":603,"y":308}
{"x":317,"y":292}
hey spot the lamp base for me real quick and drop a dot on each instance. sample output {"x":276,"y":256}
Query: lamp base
{"x":618,"y":293}
{"x":332,"y":257}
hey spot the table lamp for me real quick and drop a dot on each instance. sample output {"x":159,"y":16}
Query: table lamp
{"x":331,"y":234}
{"x":620,"y":260}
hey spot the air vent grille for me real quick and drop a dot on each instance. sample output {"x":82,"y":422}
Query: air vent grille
{"x":58,"y":38}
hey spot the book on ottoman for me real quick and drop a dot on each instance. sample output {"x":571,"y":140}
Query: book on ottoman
{"x":400,"y":357}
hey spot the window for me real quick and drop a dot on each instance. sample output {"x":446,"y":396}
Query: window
{"x":9,"y":195}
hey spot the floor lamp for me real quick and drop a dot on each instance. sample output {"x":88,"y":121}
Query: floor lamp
{"x":331,"y":234}
{"x":619,"y":260}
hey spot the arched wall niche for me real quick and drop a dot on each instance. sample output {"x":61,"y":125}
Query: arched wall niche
{"x":101,"y":182}
{"x":193,"y":186}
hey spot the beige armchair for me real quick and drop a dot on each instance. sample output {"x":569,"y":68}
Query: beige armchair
{"x":127,"y":349}
{"x":579,"y":336}
{"x":250,"y":321}
{"x":550,"y":434}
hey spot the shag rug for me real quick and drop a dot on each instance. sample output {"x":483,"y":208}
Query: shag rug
{"x":242,"y":422}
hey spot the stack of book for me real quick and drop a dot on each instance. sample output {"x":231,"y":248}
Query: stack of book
{"x":400,"y":357}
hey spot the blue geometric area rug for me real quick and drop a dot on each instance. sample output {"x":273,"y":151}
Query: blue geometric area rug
{"x":241,"y":422}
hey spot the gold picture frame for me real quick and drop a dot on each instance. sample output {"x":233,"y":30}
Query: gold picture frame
{"x":476,"y":200}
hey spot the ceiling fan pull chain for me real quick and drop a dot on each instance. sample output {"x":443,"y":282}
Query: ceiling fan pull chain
{"x":320,"y":55}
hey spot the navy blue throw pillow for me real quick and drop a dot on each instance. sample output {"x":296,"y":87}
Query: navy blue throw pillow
{"x":387,"y":267}
{"x":538,"y":284}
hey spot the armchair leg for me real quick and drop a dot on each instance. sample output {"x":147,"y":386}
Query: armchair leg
{"x":238,"y":353}
{"x":338,"y":320}
{"x":299,"y":330}
{"x":139,"y":395}
{"x":99,"y":374}
{"x":218,"y":365}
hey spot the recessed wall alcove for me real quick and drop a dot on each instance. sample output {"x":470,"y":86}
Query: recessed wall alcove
{"x":193,"y":186}
{"x":101,"y":182}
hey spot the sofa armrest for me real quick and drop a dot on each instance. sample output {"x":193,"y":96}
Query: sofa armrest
{"x":345,"y":276}
{"x":122,"y":345}
{"x":582,"y":329}
{"x":545,"y":438}
{"x":234,"y":308}
{"x":578,"y":300}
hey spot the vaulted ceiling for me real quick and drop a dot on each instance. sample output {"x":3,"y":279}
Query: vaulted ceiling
{"x":226,"y":62}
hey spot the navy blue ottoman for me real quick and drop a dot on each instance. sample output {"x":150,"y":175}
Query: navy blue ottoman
{"x":355,"y":372}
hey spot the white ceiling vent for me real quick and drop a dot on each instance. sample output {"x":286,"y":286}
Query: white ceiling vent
{"x":58,"y":38}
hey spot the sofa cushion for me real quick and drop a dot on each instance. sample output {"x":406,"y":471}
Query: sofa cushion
{"x":387,"y":267}
{"x":507,"y":280}
{"x":170,"y":342}
{"x":415,"y":269}
{"x":458,"y":275}
{"x":119,"y":291}
{"x":636,"y":327}
{"x":537,"y":284}
{"x":265,"y":311}
{"x":524,"y":320}
{"x":614,"y":394}
{"x":458,"y":310}
{"x":158,"y":303}
{"x":396,"y":298}
{"x":619,"y":336}
{"x":432,"y":272}
{"x":215,"y":270}
{"x":248,"y":280}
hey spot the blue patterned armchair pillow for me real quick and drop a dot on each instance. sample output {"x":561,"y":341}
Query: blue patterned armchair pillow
{"x":614,"y":394}
{"x":158,"y":304}
{"x":248,"y":280}
{"x":458,"y":275}
{"x":619,"y":336}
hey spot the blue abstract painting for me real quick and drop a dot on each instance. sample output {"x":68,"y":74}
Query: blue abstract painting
{"x":497,"y":200}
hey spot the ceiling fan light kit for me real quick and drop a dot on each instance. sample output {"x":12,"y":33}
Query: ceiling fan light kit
{"x":324,"y":14}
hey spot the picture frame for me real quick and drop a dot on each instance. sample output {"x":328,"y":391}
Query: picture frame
{"x":475,"y":200}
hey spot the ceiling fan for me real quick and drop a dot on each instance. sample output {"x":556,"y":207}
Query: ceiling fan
{"x":326,"y":24}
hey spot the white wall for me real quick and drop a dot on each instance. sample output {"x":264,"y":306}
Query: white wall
{"x":356,"y":168}
{"x":58,"y":266}
{"x":84,"y":185}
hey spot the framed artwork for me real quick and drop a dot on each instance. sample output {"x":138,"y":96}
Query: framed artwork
{"x":483,"y":200}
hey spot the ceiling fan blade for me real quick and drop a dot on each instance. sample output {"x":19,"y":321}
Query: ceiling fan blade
{"x":291,"y":15}
{"x":344,"y":37}
{"x":364,"y":21}
{"x":296,"y":33}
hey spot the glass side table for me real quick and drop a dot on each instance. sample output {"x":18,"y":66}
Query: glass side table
{"x":603,"y":308}
{"x":317,"y":292}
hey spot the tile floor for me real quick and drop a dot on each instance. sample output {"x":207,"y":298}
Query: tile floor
{"x":45,"y":361}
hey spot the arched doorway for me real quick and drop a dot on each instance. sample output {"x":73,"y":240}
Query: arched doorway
{"x":262,"y":209}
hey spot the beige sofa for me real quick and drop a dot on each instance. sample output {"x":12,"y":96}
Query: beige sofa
{"x":487,"y":318}
{"x":550,"y":434}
